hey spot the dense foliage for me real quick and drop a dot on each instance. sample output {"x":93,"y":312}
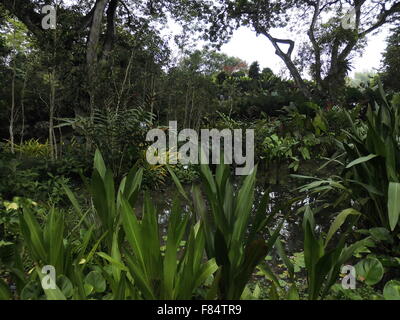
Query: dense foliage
{"x":77,"y":192}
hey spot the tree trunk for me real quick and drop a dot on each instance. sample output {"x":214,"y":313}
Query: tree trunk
{"x":52,"y":138}
{"x":12,"y":112}
{"x":286,"y":57}
{"x":92,"y":49}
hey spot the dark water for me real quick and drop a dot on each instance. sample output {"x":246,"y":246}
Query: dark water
{"x":279,"y":194}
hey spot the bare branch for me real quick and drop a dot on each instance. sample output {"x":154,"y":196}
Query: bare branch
{"x":382,"y":19}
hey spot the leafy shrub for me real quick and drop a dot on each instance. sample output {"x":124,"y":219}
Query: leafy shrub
{"x":31,"y":148}
{"x":118,"y":134}
{"x":232,"y":233}
{"x":370,"y":177}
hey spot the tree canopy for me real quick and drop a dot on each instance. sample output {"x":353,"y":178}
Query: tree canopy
{"x":329,"y":35}
{"x":391,"y":61}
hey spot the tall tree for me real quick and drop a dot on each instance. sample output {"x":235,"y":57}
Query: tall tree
{"x":391,"y":62}
{"x":96,"y":21}
{"x":330,"y":33}
{"x":254,"y":70}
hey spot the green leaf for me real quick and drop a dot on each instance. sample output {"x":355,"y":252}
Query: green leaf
{"x":201,"y":211}
{"x":393,"y":204}
{"x":221,"y":249}
{"x":176,"y":230}
{"x":5,"y":293}
{"x":281,"y":252}
{"x":99,"y":163}
{"x":244,"y":204}
{"x":370,"y":270}
{"x":33,"y":234}
{"x":361,"y":160}
{"x":54,"y":236}
{"x":114,"y":262}
{"x":51,"y":294}
{"x":31,"y":291}
{"x":206,"y":271}
{"x":255,"y":252}
{"x":381,"y":234}
{"x":177,"y":183}
{"x":73,"y":200}
{"x":338,"y":222}
{"x":392,"y":290}
{"x":266,"y":271}
{"x":293,"y":294}
{"x":65,"y":286}
{"x":141,"y":280}
{"x":96,"y":280}
{"x":133,"y":233}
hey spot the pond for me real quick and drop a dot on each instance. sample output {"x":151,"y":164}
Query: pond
{"x":280,"y":194}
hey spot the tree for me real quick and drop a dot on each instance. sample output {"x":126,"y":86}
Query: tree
{"x":254,"y":70}
{"x":209,"y":62}
{"x":328,"y":46}
{"x":96,"y":22}
{"x":391,"y":62}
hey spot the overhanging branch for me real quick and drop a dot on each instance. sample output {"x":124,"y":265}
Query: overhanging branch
{"x":382,"y":19}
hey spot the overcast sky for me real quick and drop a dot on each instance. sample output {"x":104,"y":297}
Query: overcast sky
{"x":247,"y":46}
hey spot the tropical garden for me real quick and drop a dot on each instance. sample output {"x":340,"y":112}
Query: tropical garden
{"x":85,"y":216}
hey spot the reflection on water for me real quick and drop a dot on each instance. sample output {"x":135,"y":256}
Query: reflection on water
{"x":280,"y":195}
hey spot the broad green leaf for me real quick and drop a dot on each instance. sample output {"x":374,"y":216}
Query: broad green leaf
{"x":208,"y":225}
{"x":393,"y":204}
{"x":247,"y":294}
{"x":96,"y":280}
{"x":208,"y":268}
{"x":313,"y":250}
{"x":361,"y":160}
{"x":54,"y":236}
{"x":73,"y":200}
{"x":116,"y":256}
{"x":51,"y":294}
{"x":31,"y":291}
{"x":133,"y":233}
{"x":392,"y":290}
{"x":99,"y":163}
{"x":178,"y":183}
{"x":370,"y":270}
{"x":243,"y":206}
{"x":293,"y":293}
{"x":338,"y":222}
{"x":113,"y":261}
{"x":5,"y":293}
{"x":140,"y":278}
{"x":260,"y":220}
{"x":381,"y":234}
{"x":267,"y":272}
{"x":255,"y":252}
{"x":281,"y":252}
{"x":65,"y":286}
{"x":176,"y":230}
{"x":33,"y":233}
{"x":99,"y":197}
{"x":221,"y":249}
{"x":257,"y":292}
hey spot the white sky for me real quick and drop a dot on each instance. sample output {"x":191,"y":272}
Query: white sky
{"x":247,"y":46}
